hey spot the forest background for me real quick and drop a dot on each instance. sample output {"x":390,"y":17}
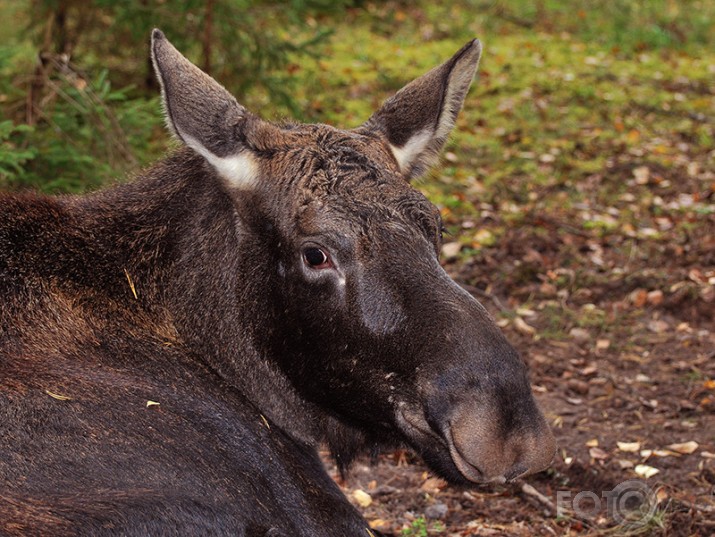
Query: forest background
{"x":578,"y":191}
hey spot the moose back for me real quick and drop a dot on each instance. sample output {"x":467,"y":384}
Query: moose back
{"x":174,"y":350}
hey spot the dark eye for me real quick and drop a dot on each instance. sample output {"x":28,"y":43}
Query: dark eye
{"x":442,"y":228}
{"x":316,"y":258}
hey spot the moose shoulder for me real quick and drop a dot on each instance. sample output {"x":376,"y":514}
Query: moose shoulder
{"x":271,"y":287}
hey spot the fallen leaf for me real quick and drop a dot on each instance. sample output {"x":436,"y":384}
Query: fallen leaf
{"x":580,"y":335}
{"x":597,"y":453}
{"x":658,"y":326}
{"x":522,"y":326}
{"x":603,"y":344}
{"x":379,"y":524}
{"x":665,"y":453}
{"x":686,"y":448}
{"x":484,"y":237}
{"x":696,"y":276}
{"x":152,"y":403}
{"x":362,"y":498}
{"x":645,"y":379}
{"x":639,"y":297}
{"x":655,"y":298}
{"x":578,"y":386}
{"x":450,"y":250}
{"x":629,"y":447}
{"x":645,"y":471}
{"x":433,"y":484}
{"x":641,"y":174}
{"x":589,"y":370}
{"x":592,"y":443}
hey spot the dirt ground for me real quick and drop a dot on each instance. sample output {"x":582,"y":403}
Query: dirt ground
{"x":619,"y":333}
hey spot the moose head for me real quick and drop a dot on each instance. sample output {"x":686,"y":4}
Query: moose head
{"x":338,"y":288}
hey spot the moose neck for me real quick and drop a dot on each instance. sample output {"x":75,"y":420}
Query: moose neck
{"x":177,"y":234}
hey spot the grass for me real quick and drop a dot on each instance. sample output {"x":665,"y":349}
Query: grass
{"x":586,"y":118}
{"x":420,"y":527}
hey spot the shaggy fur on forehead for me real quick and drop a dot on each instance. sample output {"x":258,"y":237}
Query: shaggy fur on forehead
{"x":321,"y":161}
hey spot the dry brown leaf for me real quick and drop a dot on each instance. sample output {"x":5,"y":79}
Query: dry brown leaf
{"x":686,"y":448}
{"x":629,"y":447}
{"x":597,"y":453}
{"x":580,"y":335}
{"x":450,"y":250}
{"x":665,"y":453}
{"x":658,"y":326}
{"x":362,"y":498}
{"x":641,"y":174}
{"x":603,"y":344}
{"x":645,"y":471}
{"x":639,"y":297}
{"x":655,"y":297}
{"x":589,"y":370}
{"x":433,"y":484}
{"x":379,"y":524}
{"x":523,"y":327}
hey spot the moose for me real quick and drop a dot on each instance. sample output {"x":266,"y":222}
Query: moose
{"x":175,"y":349}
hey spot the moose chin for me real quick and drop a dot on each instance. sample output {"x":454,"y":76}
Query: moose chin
{"x":174,"y":350}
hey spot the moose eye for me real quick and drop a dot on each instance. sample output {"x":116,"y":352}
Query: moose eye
{"x":316,"y":258}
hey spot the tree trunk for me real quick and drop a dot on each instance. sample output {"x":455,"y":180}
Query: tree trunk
{"x":206,"y":44}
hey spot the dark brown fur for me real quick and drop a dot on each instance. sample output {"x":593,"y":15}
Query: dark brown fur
{"x":190,"y":288}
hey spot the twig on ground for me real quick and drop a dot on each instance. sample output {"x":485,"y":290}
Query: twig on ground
{"x":543,"y":500}
{"x":484,"y":294}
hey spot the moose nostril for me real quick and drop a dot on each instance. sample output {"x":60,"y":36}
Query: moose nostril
{"x":516,"y":471}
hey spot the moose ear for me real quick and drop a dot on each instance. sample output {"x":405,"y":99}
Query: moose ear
{"x":417,"y":119}
{"x":203,"y":114}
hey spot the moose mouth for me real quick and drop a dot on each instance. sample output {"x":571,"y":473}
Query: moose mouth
{"x":433,"y":445}
{"x":443,"y":451}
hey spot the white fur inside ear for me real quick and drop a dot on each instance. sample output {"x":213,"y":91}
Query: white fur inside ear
{"x":239,"y":170}
{"x":457,"y":88}
{"x":411,"y":150}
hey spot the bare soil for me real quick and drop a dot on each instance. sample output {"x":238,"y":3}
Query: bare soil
{"x":621,"y":350}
